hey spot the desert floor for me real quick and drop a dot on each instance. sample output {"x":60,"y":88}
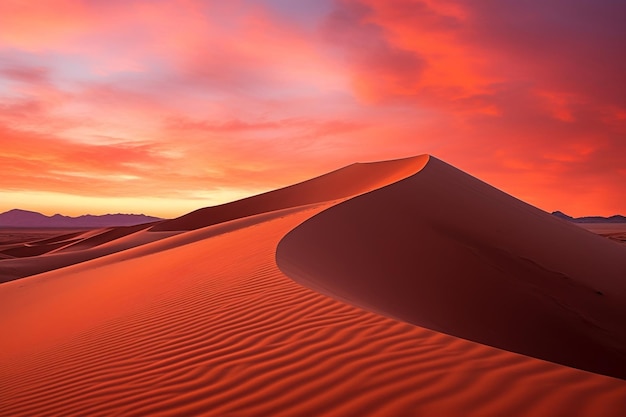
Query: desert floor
{"x":328,"y":298}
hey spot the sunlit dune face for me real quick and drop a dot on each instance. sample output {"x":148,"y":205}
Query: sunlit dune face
{"x":112,"y":100}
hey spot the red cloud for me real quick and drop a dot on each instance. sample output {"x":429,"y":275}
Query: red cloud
{"x":381,"y":68}
{"x":528,"y":95}
{"x":531,"y":91}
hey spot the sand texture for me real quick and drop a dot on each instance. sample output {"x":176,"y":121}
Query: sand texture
{"x":193,"y":316}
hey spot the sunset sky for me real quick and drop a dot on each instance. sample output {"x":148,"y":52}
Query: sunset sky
{"x":163,"y":107}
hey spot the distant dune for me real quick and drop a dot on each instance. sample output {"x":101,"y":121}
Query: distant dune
{"x":404,"y":288}
{"x":32,"y":219}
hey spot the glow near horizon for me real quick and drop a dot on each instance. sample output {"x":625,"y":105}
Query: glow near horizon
{"x":111,"y":106}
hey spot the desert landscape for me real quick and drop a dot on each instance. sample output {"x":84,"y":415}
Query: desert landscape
{"x":403,"y":287}
{"x":255,"y":208}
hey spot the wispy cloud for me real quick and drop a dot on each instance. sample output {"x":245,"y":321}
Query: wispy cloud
{"x":114,"y":99}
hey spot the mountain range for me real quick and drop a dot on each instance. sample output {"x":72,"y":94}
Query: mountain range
{"x":590,"y":219}
{"x":32,"y":219}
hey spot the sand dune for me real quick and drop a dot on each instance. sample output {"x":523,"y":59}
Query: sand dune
{"x":614,"y":231}
{"x":345,"y":182}
{"x":26,"y":259}
{"x":204,"y":323}
{"x":351,"y":180}
{"x":448,"y":252}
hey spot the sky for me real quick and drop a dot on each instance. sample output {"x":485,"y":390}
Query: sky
{"x":163,"y":107}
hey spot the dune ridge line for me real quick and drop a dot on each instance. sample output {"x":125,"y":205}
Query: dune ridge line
{"x":203,"y":322}
{"x":448,"y":252}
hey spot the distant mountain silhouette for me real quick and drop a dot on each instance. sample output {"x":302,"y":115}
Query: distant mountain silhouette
{"x":591,"y":219}
{"x":24,"y":218}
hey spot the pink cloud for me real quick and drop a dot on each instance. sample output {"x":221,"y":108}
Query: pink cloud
{"x":530,"y":91}
{"x":527,"y":95}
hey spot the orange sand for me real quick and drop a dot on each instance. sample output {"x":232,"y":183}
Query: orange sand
{"x":446,"y":251}
{"x":204,"y":322}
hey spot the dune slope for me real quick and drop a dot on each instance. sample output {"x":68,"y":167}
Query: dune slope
{"x":204,"y":323}
{"x":26,"y":259}
{"x":348,"y":181}
{"x":345,"y":182}
{"x":446,"y":251}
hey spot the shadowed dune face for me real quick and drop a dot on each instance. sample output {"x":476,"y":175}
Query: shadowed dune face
{"x":72,"y":241}
{"x":445,"y":251}
{"x":10,"y":237}
{"x":615,"y":231}
{"x":23,"y":259}
{"x":203,"y":322}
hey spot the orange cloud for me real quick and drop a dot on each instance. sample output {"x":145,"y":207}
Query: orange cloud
{"x":528,"y":110}
{"x":114,"y":98}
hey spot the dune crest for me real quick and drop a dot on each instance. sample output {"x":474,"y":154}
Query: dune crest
{"x":81,"y":247}
{"x":448,"y":252}
{"x":345,"y":182}
{"x":203,"y":322}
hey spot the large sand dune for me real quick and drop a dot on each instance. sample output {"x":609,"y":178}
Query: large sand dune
{"x":351,"y":180}
{"x":446,"y":251}
{"x":204,"y":322}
